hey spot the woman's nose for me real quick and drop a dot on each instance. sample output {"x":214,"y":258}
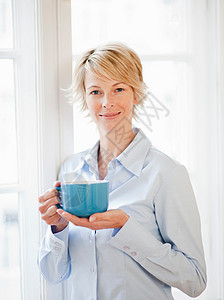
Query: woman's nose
{"x":107,"y":101}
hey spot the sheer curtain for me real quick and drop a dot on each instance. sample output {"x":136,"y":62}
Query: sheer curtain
{"x":176,"y":40}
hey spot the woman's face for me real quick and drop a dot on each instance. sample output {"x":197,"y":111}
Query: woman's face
{"x":110,"y":102}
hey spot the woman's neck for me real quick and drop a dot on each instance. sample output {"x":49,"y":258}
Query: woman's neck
{"x":112,"y":144}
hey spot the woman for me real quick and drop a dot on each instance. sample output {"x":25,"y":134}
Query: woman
{"x":150,"y":239}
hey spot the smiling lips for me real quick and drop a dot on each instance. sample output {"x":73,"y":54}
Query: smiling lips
{"x":110,"y":115}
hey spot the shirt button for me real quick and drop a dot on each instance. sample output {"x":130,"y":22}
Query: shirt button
{"x":126,"y":248}
{"x":92,"y":269}
{"x":57,"y":243}
{"x":133,"y":253}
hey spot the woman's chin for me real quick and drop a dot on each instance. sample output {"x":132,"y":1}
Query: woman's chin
{"x":119,"y":125}
{"x":107,"y":126}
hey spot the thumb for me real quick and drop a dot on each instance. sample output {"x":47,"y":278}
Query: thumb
{"x":93,"y":218}
{"x":97,"y":217}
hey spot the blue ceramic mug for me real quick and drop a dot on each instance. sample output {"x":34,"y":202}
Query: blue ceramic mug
{"x":84,"y":198}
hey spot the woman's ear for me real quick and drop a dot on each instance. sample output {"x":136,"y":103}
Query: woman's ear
{"x":135,"y":101}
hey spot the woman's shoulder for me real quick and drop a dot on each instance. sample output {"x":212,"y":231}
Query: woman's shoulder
{"x":161,"y":161}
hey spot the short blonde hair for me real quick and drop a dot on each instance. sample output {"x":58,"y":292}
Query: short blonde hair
{"x":114,"y":61}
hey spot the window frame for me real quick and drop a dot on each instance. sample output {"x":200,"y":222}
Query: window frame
{"x":25,"y":102}
{"x":220,"y":127}
{"x":55,"y":115}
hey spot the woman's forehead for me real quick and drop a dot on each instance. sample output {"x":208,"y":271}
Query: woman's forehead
{"x":99,"y":80}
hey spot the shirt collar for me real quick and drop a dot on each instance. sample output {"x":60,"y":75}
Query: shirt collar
{"x":132,"y":158}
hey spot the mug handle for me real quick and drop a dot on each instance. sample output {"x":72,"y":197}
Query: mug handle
{"x":58,"y":188}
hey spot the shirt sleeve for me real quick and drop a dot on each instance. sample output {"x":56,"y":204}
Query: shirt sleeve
{"x":53,"y":256}
{"x":177,"y":260}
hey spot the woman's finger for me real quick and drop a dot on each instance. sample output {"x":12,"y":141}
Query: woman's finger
{"x":51,"y":211}
{"x":48,"y":203}
{"x":109,"y":219}
{"x":51,"y":193}
{"x":72,"y":218}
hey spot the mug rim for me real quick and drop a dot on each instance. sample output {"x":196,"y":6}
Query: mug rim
{"x":85,"y":182}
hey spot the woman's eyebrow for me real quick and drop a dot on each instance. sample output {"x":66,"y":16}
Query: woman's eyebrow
{"x":98,"y":87}
{"x":93,"y":86}
{"x":118,"y":83}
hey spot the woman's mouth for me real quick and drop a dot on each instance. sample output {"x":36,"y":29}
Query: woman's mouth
{"x":109,"y":115}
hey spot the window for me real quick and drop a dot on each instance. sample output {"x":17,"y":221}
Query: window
{"x":160,"y":32}
{"x":19,"y":220}
{"x":36,"y":134}
{"x":9,"y":217}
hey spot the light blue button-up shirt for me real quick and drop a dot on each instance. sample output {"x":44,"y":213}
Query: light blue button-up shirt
{"x":160,"y":245}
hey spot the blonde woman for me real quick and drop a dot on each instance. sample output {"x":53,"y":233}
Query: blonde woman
{"x":150,"y":238}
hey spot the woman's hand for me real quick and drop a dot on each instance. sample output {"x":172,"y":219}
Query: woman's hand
{"x":114,"y":218}
{"x":48,"y":209}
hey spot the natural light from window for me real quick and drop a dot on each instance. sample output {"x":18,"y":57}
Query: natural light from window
{"x":9,"y":217}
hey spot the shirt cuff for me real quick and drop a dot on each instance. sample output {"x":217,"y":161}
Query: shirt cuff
{"x":63,"y":234}
{"x":135,"y":240}
{"x":57,"y":242}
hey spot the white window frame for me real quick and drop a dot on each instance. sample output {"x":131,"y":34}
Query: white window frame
{"x":27,"y":185}
{"x":220,"y":125}
{"x":54,"y":72}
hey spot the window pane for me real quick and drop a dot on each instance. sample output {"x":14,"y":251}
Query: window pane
{"x":169,"y":117}
{"x":148,"y":26}
{"x":9,"y":248}
{"x":8,"y":149}
{"x":6,"y":28}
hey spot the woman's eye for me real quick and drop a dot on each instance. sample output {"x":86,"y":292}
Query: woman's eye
{"x":95,"y":93}
{"x":119,"y":90}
